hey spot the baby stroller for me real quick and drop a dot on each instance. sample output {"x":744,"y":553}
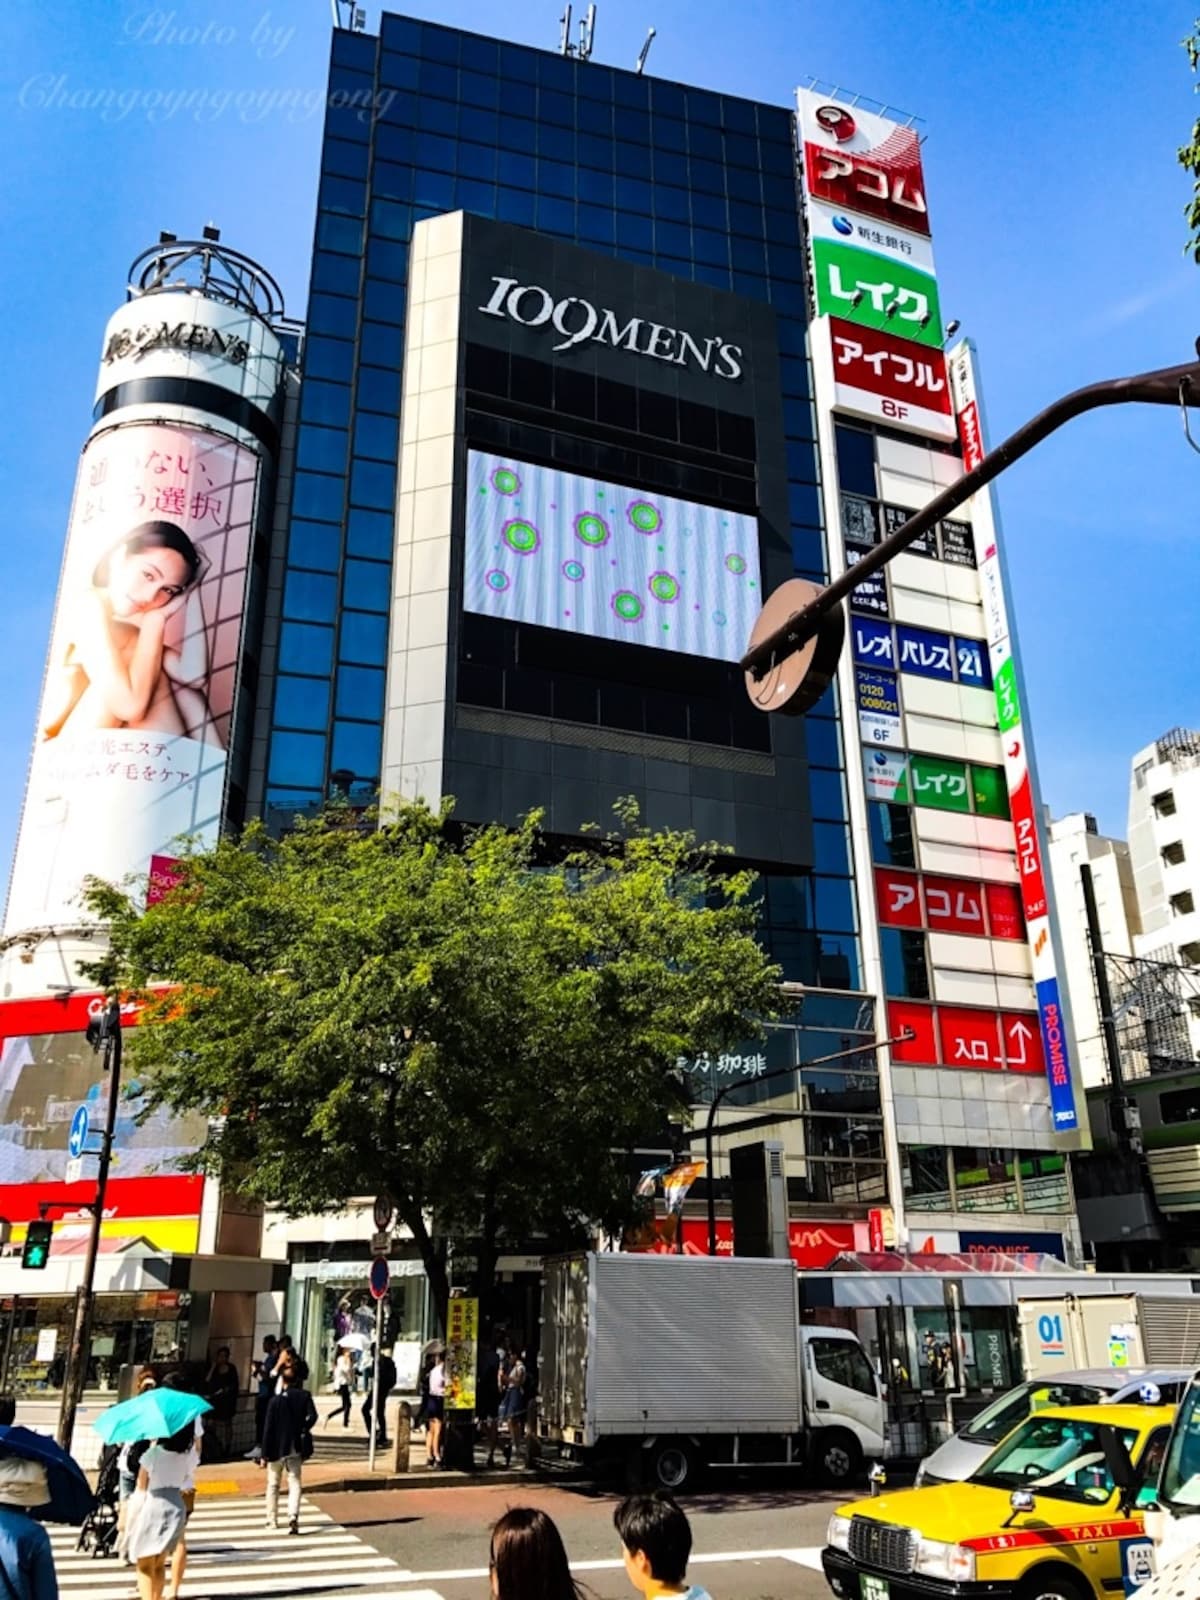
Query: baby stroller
{"x":98,"y":1534}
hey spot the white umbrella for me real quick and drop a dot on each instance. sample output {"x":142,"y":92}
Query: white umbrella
{"x":353,"y":1341}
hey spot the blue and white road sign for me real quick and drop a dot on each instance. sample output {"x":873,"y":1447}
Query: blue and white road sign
{"x":79,"y":1132}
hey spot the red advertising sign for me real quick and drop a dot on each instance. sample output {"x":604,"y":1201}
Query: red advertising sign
{"x":953,"y":905}
{"x":875,"y":1230}
{"x":898,"y":898}
{"x":1022,"y":1042}
{"x":922,"y":1050}
{"x":970,"y":1038}
{"x":882,"y":181}
{"x":178,"y":1195}
{"x":882,"y":364}
{"x":813,"y":1245}
{"x":1029,"y":855}
{"x":1004,"y":911}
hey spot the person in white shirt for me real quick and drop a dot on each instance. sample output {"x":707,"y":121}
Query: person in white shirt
{"x":156,"y":1528}
{"x":343,"y":1382}
{"x":437,"y":1409}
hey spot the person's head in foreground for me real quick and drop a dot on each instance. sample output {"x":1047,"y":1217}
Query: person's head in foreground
{"x":656,"y":1541}
{"x":528,"y":1559}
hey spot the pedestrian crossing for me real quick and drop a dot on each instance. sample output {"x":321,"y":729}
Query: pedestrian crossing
{"x":232,"y":1555}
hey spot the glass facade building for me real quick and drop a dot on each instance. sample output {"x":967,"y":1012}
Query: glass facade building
{"x":424,"y":120}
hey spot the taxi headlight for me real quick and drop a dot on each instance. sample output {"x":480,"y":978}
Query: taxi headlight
{"x":837,"y":1535}
{"x":950,"y":1561}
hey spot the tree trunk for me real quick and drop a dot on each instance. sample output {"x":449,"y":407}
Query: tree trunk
{"x":488,"y":1256}
{"x":432,"y":1259}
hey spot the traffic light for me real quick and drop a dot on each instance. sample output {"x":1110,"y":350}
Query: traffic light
{"x":37,"y":1244}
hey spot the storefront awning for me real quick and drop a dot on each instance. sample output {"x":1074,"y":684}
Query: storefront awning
{"x":893,"y":1262}
{"x":131,"y":1266}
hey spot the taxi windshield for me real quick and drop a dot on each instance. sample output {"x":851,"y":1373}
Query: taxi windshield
{"x":1056,"y":1456}
{"x":1002,"y":1416}
{"x":1180,"y":1482}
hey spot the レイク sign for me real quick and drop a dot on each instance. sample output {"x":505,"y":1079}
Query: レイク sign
{"x":578,"y":321}
{"x":1017,"y":772}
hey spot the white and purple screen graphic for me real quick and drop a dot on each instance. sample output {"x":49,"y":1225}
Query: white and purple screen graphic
{"x":552,"y":548}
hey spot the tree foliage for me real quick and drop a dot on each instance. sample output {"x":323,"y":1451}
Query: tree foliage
{"x":457,"y":1019}
{"x":1189,"y":154}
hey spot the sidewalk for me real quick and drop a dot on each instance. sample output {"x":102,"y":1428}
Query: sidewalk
{"x":342,"y":1477}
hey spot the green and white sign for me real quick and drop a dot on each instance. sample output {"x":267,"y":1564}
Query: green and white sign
{"x":938,"y":783}
{"x":878,"y":292}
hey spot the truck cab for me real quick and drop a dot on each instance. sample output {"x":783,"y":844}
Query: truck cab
{"x":1173,"y":1523}
{"x":845,"y":1403}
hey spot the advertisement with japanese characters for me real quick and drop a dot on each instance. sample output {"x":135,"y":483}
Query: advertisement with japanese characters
{"x":863,"y":162}
{"x":138,"y":695}
{"x":1019,"y":773}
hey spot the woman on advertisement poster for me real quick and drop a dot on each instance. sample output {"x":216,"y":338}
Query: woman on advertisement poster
{"x":118,"y":669}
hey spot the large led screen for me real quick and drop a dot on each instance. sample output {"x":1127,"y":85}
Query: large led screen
{"x":562,"y":551}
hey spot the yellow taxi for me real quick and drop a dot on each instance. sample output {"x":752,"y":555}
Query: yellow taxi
{"x":1054,"y":1513}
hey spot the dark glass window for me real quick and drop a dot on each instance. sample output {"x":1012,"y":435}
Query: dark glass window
{"x":376,"y":436}
{"x":322,"y":449}
{"x":555,"y":216}
{"x":318,"y":497}
{"x":383,"y":302}
{"x":856,"y":460}
{"x":297,"y":759}
{"x":345,"y":160}
{"x":363,"y":637}
{"x":315,"y":544}
{"x":892,"y":843}
{"x":325,"y":402}
{"x":831,"y":849}
{"x":355,"y":51}
{"x":517,"y":170}
{"x":381,"y":344}
{"x":392,"y":143}
{"x":310,"y":597}
{"x":365,"y":585}
{"x":515,"y":205}
{"x":329,"y":358}
{"x":335,"y":274}
{"x":905,"y":969}
{"x":301,"y":703}
{"x":517,"y":133}
{"x":477,"y":90}
{"x":390,"y":219}
{"x":356,"y":749}
{"x":597,"y":225}
{"x":477,"y":197}
{"x":835,"y":903}
{"x":397,"y":71}
{"x":392,"y":182}
{"x":1180,"y":1105}
{"x":437,"y":116}
{"x":433,"y":190}
{"x":372,"y":483}
{"x":340,"y":233}
{"x":379,"y":389}
{"x":386,"y":259}
{"x":303,"y":648}
{"x":343,"y":194}
{"x":360,"y":692}
{"x":369,"y":533}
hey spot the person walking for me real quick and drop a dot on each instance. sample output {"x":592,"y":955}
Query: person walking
{"x":158,"y":1518}
{"x":287,"y":1444}
{"x":383,"y":1381}
{"x":656,"y":1543}
{"x":128,"y":1458}
{"x":26,"y":1561}
{"x":343,"y":1382}
{"x":528,"y":1560}
{"x":487,"y":1398}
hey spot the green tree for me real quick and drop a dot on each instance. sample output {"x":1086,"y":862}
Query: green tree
{"x":1189,"y":154}
{"x":457,"y":1019}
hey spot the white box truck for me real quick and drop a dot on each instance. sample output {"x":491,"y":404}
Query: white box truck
{"x":1075,"y":1332}
{"x":661,"y":1366}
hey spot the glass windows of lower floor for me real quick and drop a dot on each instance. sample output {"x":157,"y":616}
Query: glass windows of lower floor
{"x":971,"y":1178}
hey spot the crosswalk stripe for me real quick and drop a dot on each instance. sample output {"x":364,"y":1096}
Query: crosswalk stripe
{"x":232,"y":1555}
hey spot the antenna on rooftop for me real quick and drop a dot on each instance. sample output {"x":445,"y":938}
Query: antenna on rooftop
{"x":587,"y":34}
{"x":565,"y":47}
{"x":640,"y":66}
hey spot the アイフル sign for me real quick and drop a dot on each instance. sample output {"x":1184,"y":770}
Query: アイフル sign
{"x":886,"y":378}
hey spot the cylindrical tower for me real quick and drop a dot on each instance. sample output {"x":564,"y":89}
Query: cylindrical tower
{"x":136,"y":733}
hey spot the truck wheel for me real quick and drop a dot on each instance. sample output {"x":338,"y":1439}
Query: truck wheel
{"x":837,"y":1457}
{"x":672,"y":1465}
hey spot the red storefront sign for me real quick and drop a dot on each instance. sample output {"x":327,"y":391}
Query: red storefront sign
{"x":895,"y":369}
{"x":970,"y":1038}
{"x":921,"y":1050}
{"x":1022,"y":1042}
{"x":885,"y":181}
{"x":175,"y":1195}
{"x":898,"y":897}
{"x":1029,"y":855}
{"x":953,"y":905}
{"x":1004,"y":911}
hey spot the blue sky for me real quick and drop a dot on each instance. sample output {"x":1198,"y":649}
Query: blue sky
{"x":1056,"y":206}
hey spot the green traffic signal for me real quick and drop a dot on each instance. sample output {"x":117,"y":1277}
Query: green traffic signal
{"x":36,"y":1252}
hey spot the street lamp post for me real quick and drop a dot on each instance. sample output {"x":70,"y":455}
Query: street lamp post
{"x":800,"y":689}
{"x":765,"y":1077}
{"x":104,"y":1030}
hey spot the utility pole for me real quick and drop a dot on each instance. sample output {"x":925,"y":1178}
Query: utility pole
{"x":103,"y":1030}
{"x":1108,"y":1025}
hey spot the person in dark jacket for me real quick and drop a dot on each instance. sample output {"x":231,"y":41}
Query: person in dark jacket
{"x":287,"y":1442}
{"x":383,"y":1381}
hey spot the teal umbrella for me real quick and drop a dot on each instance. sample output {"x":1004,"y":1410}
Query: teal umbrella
{"x":156,"y":1414}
